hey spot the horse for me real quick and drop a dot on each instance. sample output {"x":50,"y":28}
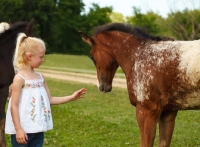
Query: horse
{"x":162,"y":75}
{"x":8,"y":38}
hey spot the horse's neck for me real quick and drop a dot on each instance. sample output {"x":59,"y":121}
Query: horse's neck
{"x":125,"y":60}
{"x":7,"y":46}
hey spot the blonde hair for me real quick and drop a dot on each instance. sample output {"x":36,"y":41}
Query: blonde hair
{"x":24,"y":46}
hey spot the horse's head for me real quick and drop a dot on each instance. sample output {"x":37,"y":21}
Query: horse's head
{"x":25,"y":27}
{"x":103,"y":60}
{"x":9,"y":35}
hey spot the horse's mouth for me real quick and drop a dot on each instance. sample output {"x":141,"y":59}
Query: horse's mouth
{"x":105,"y":88}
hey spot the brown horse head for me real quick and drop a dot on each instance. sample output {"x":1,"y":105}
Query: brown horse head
{"x":103,"y":60}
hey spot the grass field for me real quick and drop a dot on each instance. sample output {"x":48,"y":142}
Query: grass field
{"x":105,"y":119}
{"x":68,"y":62}
{"x":73,"y":63}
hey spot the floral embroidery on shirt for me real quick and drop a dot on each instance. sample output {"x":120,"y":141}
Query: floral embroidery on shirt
{"x":33,"y":85}
{"x":33,"y":115}
{"x":46,"y":112}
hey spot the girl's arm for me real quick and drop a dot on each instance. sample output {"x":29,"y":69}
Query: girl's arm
{"x":17,"y":85}
{"x":60,"y":100}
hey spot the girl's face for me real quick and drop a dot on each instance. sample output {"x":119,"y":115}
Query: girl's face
{"x":36,"y":59}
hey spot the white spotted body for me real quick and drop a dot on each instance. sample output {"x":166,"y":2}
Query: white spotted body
{"x":177,"y":59}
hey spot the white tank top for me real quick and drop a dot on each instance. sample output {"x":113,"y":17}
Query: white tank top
{"x":34,"y":108}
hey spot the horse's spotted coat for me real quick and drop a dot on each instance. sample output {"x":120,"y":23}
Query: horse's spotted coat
{"x":159,"y":56}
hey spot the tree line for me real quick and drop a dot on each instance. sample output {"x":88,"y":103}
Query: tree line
{"x":58,"y":22}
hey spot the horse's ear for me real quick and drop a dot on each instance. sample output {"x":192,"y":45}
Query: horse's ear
{"x":31,"y":23}
{"x":10,"y":22}
{"x":29,"y":27}
{"x":87,"y":39}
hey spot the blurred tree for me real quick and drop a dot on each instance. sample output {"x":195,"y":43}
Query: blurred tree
{"x":95,"y":17}
{"x":184,"y":25}
{"x":11,"y":9}
{"x":56,"y":21}
{"x":25,"y":10}
{"x":117,"y":17}
{"x":65,"y":27}
{"x":149,"y":21}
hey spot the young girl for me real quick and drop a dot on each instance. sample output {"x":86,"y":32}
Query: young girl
{"x":29,"y":112}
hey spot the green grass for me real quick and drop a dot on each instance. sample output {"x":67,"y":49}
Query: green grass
{"x":70,"y":63}
{"x":106,"y":120}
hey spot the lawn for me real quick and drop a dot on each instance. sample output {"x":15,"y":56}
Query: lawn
{"x":106,"y":120}
{"x":74,"y":63}
{"x":102,"y":119}
{"x":68,"y":63}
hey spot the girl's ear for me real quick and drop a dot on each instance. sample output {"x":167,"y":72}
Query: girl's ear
{"x":29,"y":55}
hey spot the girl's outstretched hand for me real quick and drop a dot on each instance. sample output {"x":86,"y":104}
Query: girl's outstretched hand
{"x":79,"y":94}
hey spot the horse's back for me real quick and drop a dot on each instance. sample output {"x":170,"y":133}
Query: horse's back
{"x":173,"y":69}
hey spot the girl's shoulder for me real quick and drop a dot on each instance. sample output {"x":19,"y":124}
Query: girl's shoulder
{"x":28,"y":77}
{"x":19,"y":77}
{"x":18,"y":81}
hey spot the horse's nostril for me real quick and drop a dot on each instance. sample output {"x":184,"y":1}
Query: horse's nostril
{"x":108,"y":89}
{"x":105,"y":88}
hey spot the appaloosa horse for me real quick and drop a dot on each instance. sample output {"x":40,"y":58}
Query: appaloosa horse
{"x":7,"y":46}
{"x":163,"y":75}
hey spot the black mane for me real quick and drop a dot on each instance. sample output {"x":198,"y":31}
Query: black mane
{"x":127,"y":28}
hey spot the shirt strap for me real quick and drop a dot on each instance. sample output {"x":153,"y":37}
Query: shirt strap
{"x":40,"y":75}
{"x":21,"y":76}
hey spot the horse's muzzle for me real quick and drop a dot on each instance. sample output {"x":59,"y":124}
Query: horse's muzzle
{"x":105,"y":88}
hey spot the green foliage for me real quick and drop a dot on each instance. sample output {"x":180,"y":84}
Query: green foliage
{"x":184,"y":25}
{"x":58,"y":22}
{"x":117,"y":17}
{"x":25,"y":10}
{"x":65,"y":27}
{"x":55,"y":24}
{"x":148,"y":21}
{"x":96,"y":16}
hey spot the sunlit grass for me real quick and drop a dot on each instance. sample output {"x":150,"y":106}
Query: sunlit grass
{"x":107,"y":120}
{"x":75,"y":63}
{"x":65,"y":62}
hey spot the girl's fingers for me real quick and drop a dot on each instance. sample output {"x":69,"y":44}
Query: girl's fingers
{"x":26,"y":136}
